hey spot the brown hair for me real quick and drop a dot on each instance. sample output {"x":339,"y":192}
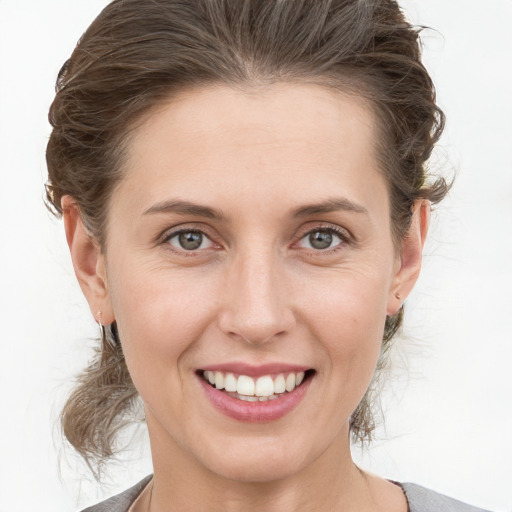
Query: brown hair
{"x":138,"y":52}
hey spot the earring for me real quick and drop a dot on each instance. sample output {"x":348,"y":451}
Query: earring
{"x":398,"y":297}
{"x":111,"y":339}
{"x":100,"y":325}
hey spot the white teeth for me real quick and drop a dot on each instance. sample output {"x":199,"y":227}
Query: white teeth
{"x":290,"y":382}
{"x":230,"y":383}
{"x":245,"y":398}
{"x":265,"y":386}
{"x":253,"y":398}
{"x":245,"y":385}
{"x":219,"y":380}
{"x":279,"y":384}
{"x":246,"y":388}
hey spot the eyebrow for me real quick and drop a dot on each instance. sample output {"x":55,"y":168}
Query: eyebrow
{"x":197,"y":210}
{"x":186,"y":208}
{"x":331,"y":205}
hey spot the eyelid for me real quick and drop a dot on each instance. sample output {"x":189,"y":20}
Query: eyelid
{"x":342,"y":233}
{"x":180,"y":228}
{"x":170,"y":233}
{"x":204,"y":239}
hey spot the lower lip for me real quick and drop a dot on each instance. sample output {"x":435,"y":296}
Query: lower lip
{"x":255,"y":412}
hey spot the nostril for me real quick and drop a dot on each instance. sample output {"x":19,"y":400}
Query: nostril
{"x":258,"y":339}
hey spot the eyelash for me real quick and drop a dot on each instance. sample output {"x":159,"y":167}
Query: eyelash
{"x":191,"y":253}
{"x":342,"y":234}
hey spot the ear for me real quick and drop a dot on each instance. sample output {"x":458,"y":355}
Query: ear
{"x":410,"y":258}
{"x":88,"y":262}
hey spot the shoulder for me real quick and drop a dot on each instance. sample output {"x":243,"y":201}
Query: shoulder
{"x":424,"y":500}
{"x":121,"y":502}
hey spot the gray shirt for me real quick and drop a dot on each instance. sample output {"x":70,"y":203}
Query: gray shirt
{"x":419,"y":498}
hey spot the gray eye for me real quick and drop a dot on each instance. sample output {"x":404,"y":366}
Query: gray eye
{"x":320,"y":240}
{"x":190,"y":240}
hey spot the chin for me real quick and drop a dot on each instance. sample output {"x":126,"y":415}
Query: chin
{"x":257,"y":459}
{"x":261,"y":469}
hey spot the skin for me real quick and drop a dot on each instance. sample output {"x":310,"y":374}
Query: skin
{"x":256,"y":291}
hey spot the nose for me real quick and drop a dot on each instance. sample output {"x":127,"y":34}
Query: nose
{"x":256,"y":304}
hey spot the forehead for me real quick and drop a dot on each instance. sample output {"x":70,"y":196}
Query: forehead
{"x":289,"y":141}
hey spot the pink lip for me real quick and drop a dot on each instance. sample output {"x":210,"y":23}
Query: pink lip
{"x":255,"y":370}
{"x":255,"y":412}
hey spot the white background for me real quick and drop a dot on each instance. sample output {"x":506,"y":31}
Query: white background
{"x":449,"y":414}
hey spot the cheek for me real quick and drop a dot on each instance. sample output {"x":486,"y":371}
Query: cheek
{"x":345,"y":302}
{"x":347,"y":316}
{"x":160,"y":315}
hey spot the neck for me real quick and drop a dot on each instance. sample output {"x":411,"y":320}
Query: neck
{"x":331,"y":482}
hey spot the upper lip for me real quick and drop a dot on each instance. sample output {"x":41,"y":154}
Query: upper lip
{"x":252,"y":370}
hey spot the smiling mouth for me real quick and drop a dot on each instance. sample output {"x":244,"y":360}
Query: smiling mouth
{"x":260,"y":389}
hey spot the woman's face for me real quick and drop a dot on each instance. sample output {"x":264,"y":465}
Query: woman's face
{"x":250,"y":238}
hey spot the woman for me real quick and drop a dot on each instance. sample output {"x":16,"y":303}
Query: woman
{"x":245,"y":199}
